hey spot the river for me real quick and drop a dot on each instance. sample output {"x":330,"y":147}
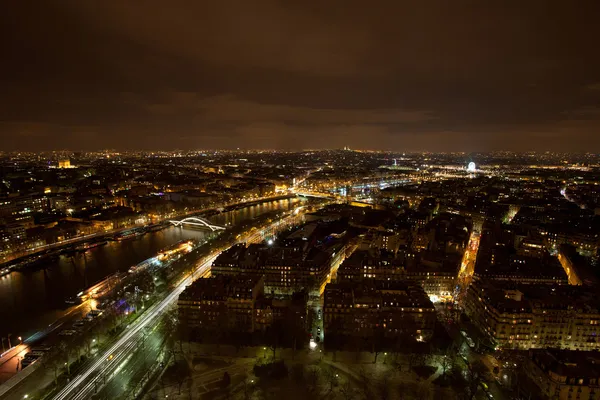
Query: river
{"x":31,"y":300}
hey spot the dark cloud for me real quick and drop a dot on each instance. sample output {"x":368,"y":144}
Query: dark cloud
{"x":434,"y":75}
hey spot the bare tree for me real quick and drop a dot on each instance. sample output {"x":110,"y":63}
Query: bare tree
{"x":383,"y":389}
{"x":312,"y":380}
{"x":447,"y":362}
{"x":476,"y":373}
{"x":377,"y":343}
{"x":52,"y":360}
{"x":331,"y":378}
{"x":65,"y":355}
{"x":248,"y":388}
{"x":348,"y":391}
{"x":365,"y":384}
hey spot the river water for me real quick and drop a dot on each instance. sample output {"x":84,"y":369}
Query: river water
{"x":33,"y":299}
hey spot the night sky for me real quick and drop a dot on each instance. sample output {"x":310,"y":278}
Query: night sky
{"x":392,"y":75}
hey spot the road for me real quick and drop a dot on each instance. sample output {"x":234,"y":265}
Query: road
{"x":132,"y":371}
{"x":83,"y":386}
{"x":105,"y":365}
{"x":111,"y":360}
{"x":107,"y":362}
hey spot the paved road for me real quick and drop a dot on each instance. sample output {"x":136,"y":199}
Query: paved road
{"x":102,"y":367}
{"x":132,"y":371}
{"x":10,"y":361}
{"x":82,"y":387}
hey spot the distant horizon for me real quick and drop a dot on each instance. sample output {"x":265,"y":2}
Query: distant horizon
{"x":258,"y":150}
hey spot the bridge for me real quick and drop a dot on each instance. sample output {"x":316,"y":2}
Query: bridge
{"x":199,"y":222}
{"x":315,"y":194}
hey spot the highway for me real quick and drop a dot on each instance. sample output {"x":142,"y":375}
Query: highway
{"x":109,"y":362}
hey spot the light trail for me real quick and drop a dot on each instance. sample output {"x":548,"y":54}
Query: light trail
{"x":125,"y":343}
{"x":106,"y":365}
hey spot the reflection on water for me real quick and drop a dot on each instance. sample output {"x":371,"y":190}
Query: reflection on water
{"x":30,"y":300}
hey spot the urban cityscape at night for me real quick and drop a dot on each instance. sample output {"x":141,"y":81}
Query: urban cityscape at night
{"x":318,"y":200}
{"x":240,"y":273}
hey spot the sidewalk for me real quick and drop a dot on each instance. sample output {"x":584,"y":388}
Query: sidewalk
{"x":10,"y":361}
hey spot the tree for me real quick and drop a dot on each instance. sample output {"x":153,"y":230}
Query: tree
{"x":348,"y":391}
{"x":377,"y":342}
{"x":52,"y":360}
{"x":248,"y":388}
{"x":365,"y":384}
{"x":312,"y":381}
{"x":181,"y":373}
{"x":77,"y":345}
{"x":447,"y":361}
{"x":226,"y":380}
{"x":357,"y":342}
{"x":65,"y":353}
{"x":476,"y":373}
{"x":384,"y":387}
{"x":331,"y":378}
{"x":274,"y":336}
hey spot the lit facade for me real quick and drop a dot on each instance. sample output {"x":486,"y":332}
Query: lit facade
{"x":565,"y":374}
{"x":535,"y":316}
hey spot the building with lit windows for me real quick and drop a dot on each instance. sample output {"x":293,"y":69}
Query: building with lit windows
{"x":220,"y":304}
{"x":303,"y":259}
{"x":435,"y":273}
{"x":377,"y":310}
{"x":524,"y":316}
{"x":565,"y":374}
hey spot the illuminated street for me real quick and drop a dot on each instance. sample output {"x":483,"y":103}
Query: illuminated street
{"x":467,"y":266}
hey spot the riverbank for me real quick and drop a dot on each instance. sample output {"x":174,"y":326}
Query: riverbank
{"x":35,"y":297}
{"x":40,"y":255}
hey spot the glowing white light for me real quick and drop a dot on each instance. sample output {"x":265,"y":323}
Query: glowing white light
{"x":434,"y":298}
{"x":472,"y":167}
{"x":312,"y":344}
{"x":270,"y":242}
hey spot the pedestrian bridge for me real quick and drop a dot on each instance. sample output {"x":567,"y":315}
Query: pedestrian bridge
{"x":198,"y":222}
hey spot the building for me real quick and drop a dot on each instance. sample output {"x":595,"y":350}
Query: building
{"x":290,"y":311}
{"x":434,"y":272}
{"x":219,"y":304}
{"x":286,"y":269}
{"x":388,"y":241}
{"x":66,"y":163}
{"x":513,"y":253}
{"x":565,"y":374}
{"x":523,"y":269}
{"x":578,"y":268}
{"x":585,"y":241}
{"x":524,"y":316}
{"x":18,"y":207}
{"x":235,"y":310}
{"x":374,"y":310}
{"x":303,"y":259}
